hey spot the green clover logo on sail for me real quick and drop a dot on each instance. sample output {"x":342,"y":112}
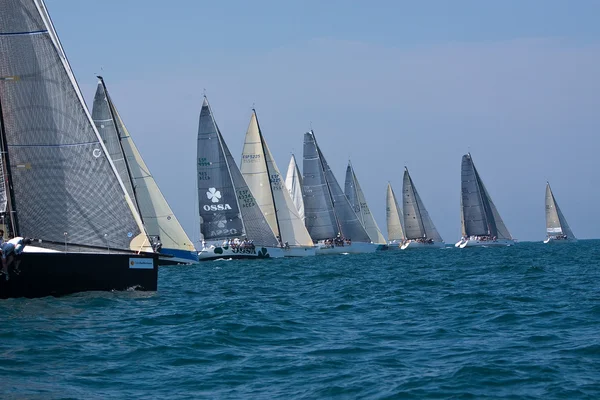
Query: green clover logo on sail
{"x":213,"y":195}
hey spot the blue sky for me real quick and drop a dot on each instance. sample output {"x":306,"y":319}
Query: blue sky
{"x":385,"y":83}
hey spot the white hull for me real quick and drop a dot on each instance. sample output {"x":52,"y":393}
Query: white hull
{"x":354,"y":248}
{"x":412,"y":244}
{"x":484,"y":243}
{"x":552,"y":239}
{"x":300,"y":251}
{"x":217,"y":252}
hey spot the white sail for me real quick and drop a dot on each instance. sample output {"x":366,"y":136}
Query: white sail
{"x":266,"y":184}
{"x":392,"y":213}
{"x":293,"y":182}
{"x":556,"y":224}
{"x":359,"y":203}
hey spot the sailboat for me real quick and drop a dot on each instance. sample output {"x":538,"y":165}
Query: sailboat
{"x":231,"y":222}
{"x":557,"y":228}
{"x":266,"y":184}
{"x":293,"y":183}
{"x":61,"y":187}
{"x":481,"y":222}
{"x":418,"y":226}
{"x":394,"y":223}
{"x":162,"y":226}
{"x":357,"y":200}
{"x":329,"y":217}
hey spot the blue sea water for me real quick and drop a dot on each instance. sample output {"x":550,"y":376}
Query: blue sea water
{"x":502,"y":323}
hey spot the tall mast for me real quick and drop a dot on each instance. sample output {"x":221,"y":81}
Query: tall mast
{"x":118,"y":132}
{"x":339,"y":226}
{"x":262,"y":145}
{"x":12,"y":212}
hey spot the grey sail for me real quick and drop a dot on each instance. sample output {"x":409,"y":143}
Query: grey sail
{"x":416,"y":217}
{"x":64,"y":186}
{"x":351,"y":192}
{"x":103,"y":116}
{"x":226,"y":205}
{"x":320,"y":220}
{"x":556,"y":224}
{"x":479,"y":214}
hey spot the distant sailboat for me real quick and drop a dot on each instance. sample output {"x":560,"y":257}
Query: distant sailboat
{"x":557,"y":228}
{"x":481,"y":222}
{"x":158,"y":218}
{"x":394,"y":223}
{"x":62,"y":187}
{"x":293,"y":182}
{"x":418,"y":226}
{"x":266,"y":184}
{"x":329,"y":217}
{"x":357,"y":200}
{"x":231,"y":222}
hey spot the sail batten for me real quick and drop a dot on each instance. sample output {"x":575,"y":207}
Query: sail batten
{"x":66,"y":187}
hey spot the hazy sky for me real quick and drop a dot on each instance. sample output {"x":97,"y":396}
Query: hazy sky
{"x":384,"y":83}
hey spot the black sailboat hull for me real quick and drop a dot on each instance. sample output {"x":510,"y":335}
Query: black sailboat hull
{"x":57,"y":274}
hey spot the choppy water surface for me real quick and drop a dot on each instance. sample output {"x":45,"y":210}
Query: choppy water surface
{"x":520,"y":322}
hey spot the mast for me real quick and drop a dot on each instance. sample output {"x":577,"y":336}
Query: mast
{"x":339,"y":226}
{"x":412,"y":186}
{"x":12,"y":212}
{"x":114,"y":121}
{"x":262,"y":146}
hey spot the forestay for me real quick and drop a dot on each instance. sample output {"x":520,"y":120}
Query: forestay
{"x":65,"y":187}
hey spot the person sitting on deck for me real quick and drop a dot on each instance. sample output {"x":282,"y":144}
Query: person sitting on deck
{"x":12,"y":250}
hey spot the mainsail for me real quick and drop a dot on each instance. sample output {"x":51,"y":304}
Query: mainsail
{"x":157,"y":216}
{"x":293,"y":182}
{"x":417,"y":222}
{"x":392,"y":213}
{"x":226,"y":205}
{"x":357,"y":200}
{"x":479,"y":214}
{"x":63,"y":186}
{"x":556,"y":224}
{"x":327,"y":210}
{"x":266,"y":184}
